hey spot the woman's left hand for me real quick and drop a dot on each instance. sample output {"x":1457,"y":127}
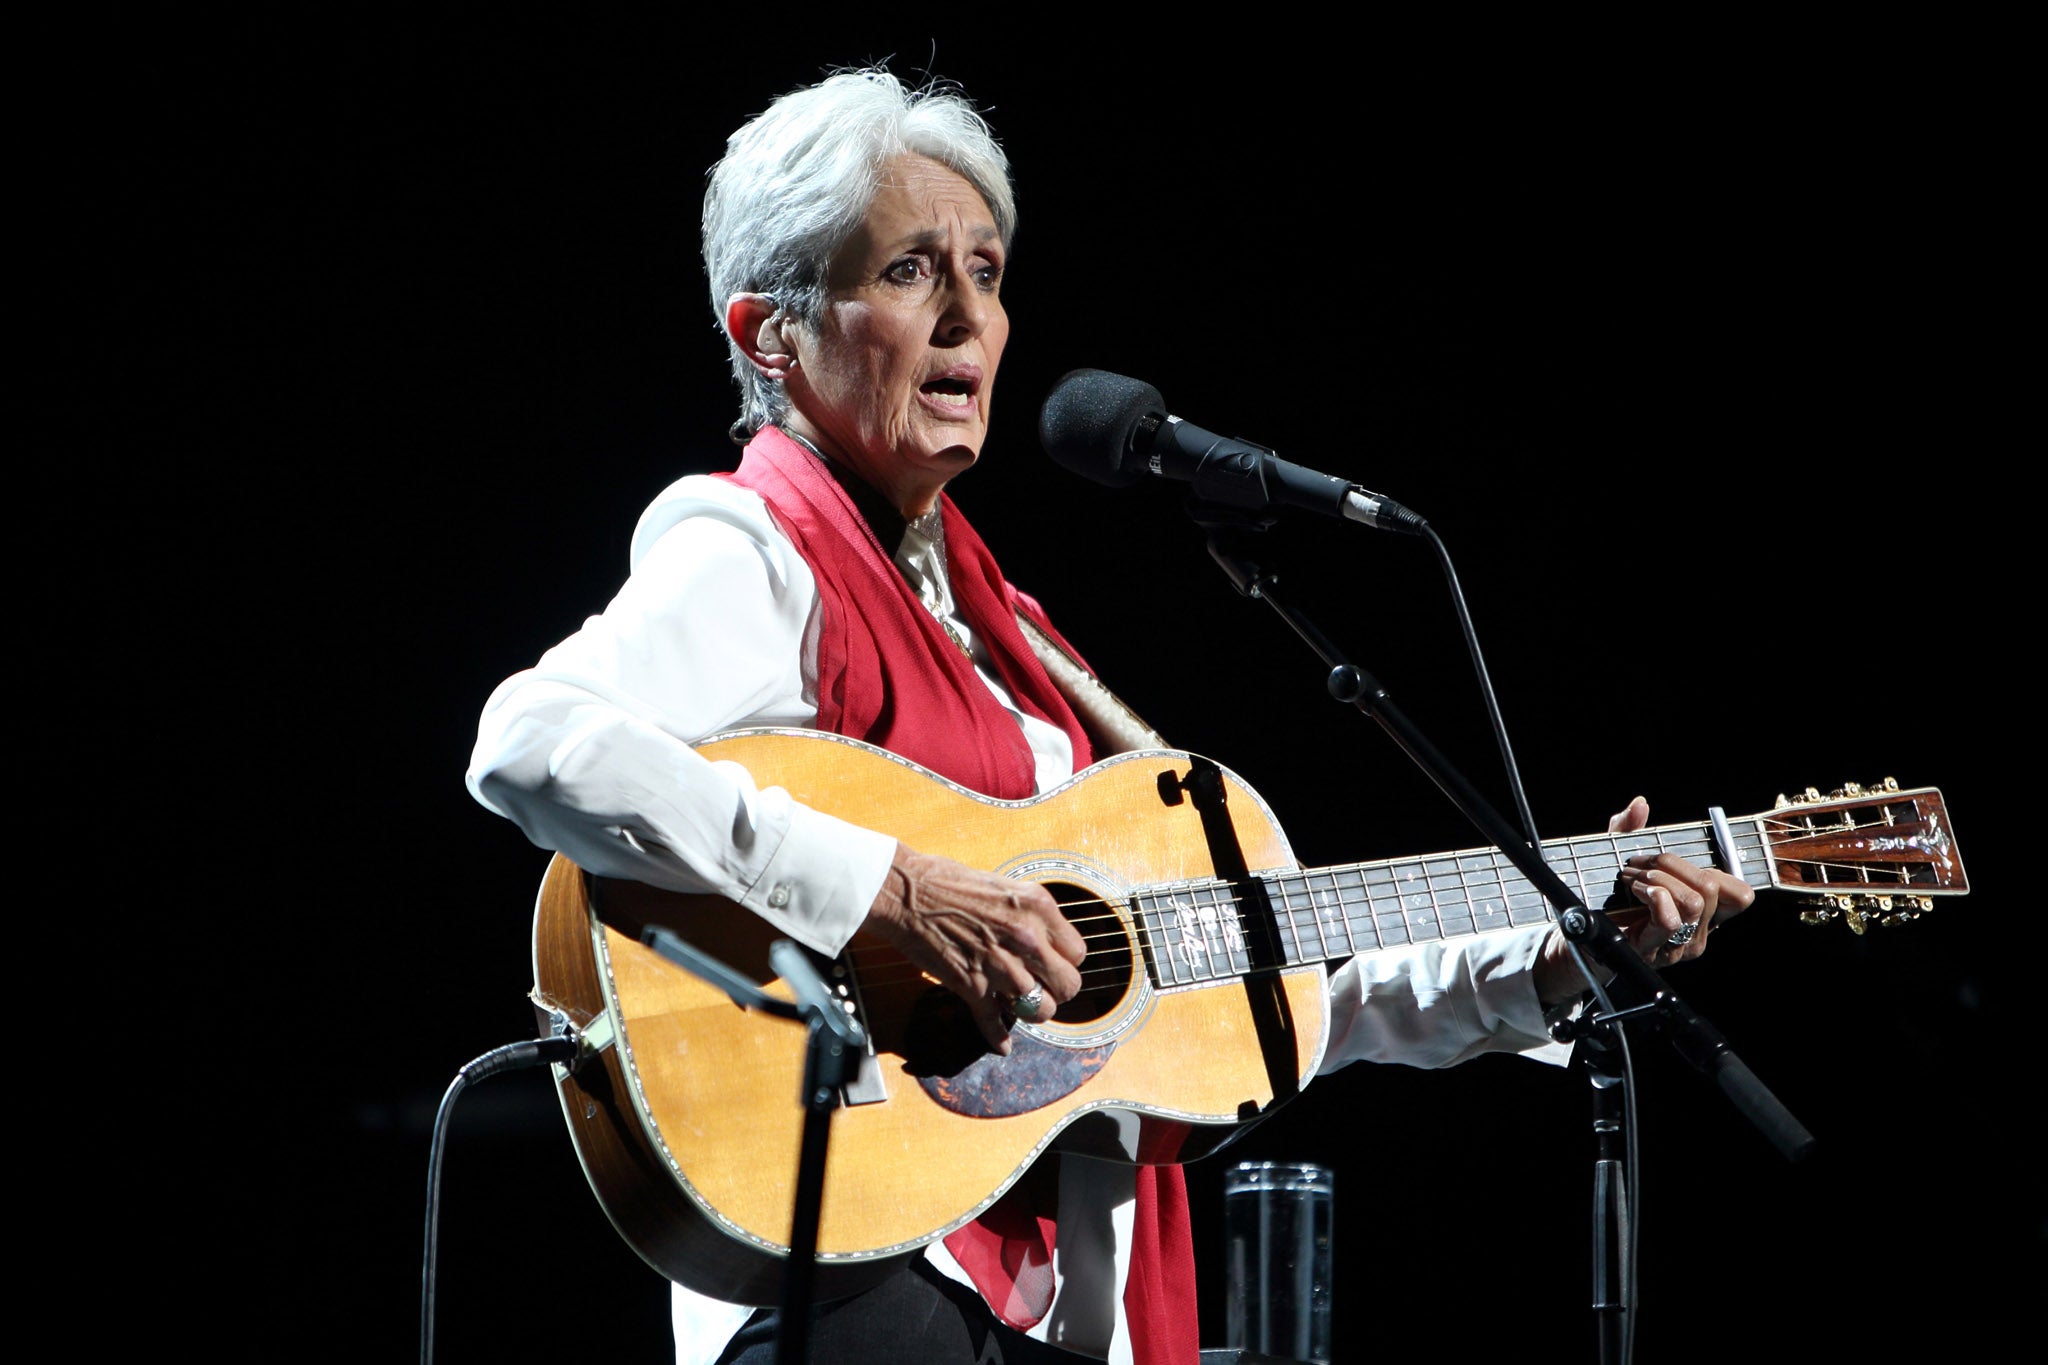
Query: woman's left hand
{"x":1685,"y":901}
{"x":1682,"y":900}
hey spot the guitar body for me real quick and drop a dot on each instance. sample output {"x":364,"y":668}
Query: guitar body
{"x":689,"y":1123}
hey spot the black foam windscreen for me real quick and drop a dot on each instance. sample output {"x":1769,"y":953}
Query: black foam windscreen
{"x":1088,"y":422}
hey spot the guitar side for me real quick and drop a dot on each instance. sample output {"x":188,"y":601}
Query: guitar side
{"x":688,"y":1126}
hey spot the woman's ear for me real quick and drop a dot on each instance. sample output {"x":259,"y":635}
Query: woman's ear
{"x":761,"y":333}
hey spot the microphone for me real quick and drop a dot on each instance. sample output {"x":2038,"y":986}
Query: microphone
{"x":1115,"y":431}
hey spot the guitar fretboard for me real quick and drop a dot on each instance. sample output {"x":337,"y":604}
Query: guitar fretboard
{"x":1205,"y":931}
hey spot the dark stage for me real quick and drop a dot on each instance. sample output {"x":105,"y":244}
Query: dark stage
{"x":1699,"y":364}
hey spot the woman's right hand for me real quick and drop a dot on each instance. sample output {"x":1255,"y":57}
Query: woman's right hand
{"x":986,"y":938}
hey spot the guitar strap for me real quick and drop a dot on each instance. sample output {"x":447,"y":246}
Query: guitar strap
{"x":1114,"y":727}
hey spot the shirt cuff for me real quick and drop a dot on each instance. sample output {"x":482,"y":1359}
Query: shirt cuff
{"x":822,"y":879}
{"x":1504,"y":966}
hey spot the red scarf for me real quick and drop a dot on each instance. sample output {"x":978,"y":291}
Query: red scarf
{"x":889,"y":674}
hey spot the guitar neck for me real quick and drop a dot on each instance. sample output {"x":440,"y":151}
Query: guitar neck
{"x":1207,"y":931}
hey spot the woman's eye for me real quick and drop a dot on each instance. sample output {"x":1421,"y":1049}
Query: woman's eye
{"x":907,"y":271}
{"x":988,"y":277}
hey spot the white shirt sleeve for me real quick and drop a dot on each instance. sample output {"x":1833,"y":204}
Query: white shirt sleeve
{"x":1438,"y":1004}
{"x":589,"y":751}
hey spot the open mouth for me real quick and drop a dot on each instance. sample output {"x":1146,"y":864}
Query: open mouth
{"x":950,"y":390}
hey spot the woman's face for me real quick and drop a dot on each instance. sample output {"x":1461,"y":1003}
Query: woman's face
{"x":896,"y":379}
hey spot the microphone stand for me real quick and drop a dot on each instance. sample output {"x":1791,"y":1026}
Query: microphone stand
{"x":833,"y":1045}
{"x":1591,"y":935}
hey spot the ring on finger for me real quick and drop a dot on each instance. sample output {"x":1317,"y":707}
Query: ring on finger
{"x":1029,"y":1005}
{"x":1683,"y":934}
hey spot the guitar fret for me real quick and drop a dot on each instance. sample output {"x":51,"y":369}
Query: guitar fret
{"x":1476,"y":878}
{"x":1158,"y":919}
{"x":1500,"y":896}
{"x":1319,"y":946}
{"x":1418,"y":899}
{"x":1490,"y":898}
{"x":1329,"y":915}
{"x":1227,"y":924}
{"x":1594,"y":863}
{"x":1756,"y":864}
{"x":1347,"y":886}
{"x":1446,"y":895}
{"x":1449,"y":901}
{"x":1178,"y":971}
{"x":1214,"y":957}
{"x":1388,"y":916}
{"x":1527,"y":905}
{"x":1333,"y":914}
{"x":1287,"y":886}
{"x":1221,"y":932}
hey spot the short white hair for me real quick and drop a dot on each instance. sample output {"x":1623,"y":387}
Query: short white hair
{"x":797,"y":180}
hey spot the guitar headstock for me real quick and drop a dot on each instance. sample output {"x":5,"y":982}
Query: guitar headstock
{"x":1864,"y":855}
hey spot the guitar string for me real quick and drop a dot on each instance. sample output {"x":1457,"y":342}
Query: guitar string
{"x":1389,"y":901}
{"x":1607,"y":846}
{"x":1356,"y":911}
{"x":1607,"y":852}
{"x":1118,"y":934}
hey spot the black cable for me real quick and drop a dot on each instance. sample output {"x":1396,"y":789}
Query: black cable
{"x":1500,"y":733}
{"x":511,"y":1057}
{"x":1626,"y":1071}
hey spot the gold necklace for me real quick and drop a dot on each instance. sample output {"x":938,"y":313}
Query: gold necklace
{"x":947,"y":626}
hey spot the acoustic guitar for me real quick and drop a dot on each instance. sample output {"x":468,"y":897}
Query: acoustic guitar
{"x":1205,"y":999}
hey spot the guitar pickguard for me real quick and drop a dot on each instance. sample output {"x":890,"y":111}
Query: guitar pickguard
{"x":1035,"y":1074}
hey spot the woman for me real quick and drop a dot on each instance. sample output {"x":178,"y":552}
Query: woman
{"x":856,"y":235}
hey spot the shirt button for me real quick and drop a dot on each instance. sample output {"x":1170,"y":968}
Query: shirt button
{"x":779,"y":897}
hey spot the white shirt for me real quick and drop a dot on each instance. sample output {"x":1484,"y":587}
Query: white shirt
{"x":589,"y":753}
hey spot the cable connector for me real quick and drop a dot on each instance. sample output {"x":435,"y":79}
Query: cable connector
{"x":515,"y":1056}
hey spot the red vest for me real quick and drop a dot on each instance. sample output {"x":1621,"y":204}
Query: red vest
{"x":889,"y":674}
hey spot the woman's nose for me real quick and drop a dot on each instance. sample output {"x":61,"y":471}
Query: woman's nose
{"x":966,"y":309}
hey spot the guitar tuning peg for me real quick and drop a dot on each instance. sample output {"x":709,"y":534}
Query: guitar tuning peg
{"x":1860,"y":912}
{"x":1904,"y":910}
{"x":1855,"y":789}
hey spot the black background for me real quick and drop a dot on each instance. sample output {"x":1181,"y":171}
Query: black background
{"x":1696,"y":347}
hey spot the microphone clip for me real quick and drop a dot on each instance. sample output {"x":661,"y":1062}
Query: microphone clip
{"x":1222,"y":518}
{"x":1230,"y":530}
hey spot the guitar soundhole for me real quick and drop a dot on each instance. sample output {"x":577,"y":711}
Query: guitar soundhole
{"x":1106,"y":973}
